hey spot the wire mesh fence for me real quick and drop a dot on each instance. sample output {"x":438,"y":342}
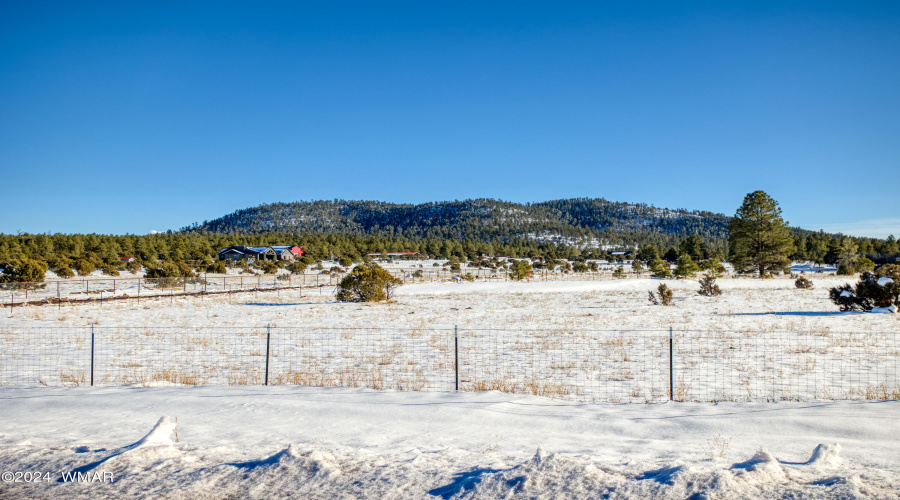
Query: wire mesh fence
{"x":584,"y":365}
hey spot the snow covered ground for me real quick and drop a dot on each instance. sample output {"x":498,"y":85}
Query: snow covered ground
{"x":254,"y":442}
{"x":250,"y":441}
{"x":587,"y":340}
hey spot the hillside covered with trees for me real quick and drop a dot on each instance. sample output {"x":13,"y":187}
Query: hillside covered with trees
{"x":482,"y":219}
{"x":576,"y":230}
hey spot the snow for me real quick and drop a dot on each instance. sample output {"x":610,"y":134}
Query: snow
{"x":884,"y":281}
{"x":252,"y":441}
{"x":885,"y":310}
{"x":350,"y":443}
{"x":846,"y":293}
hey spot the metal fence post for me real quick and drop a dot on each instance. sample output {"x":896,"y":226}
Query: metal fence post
{"x":268,"y":340}
{"x":456,"y":355}
{"x":671,"y":371}
{"x":92,"y":355}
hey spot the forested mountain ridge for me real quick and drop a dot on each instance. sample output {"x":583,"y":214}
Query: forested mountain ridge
{"x":483,"y":219}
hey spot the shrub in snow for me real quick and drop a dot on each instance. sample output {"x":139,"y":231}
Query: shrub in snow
{"x":864,"y":265}
{"x":345,"y":261}
{"x":217,"y":268}
{"x":133,"y":267}
{"x":708,"y":287}
{"x":803,"y":283}
{"x":62,"y":268}
{"x":296,"y":267}
{"x":660,"y":269}
{"x":367,"y":283}
{"x":168,"y":274}
{"x":891,"y":271}
{"x":110,"y":270}
{"x":64,"y":272}
{"x":520,"y":269}
{"x":871,"y":292}
{"x":846,"y":268}
{"x":17,"y":271}
{"x":84,"y":267}
{"x":664,"y":298}
{"x":636,"y":266}
{"x":619,"y":272}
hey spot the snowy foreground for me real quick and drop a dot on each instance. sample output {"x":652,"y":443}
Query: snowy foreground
{"x":258,"y":442}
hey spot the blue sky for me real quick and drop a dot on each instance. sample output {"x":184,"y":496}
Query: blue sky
{"x":125,"y":118}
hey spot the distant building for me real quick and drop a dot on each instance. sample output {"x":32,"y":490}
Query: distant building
{"x":278,"y":252}
{"x":127,"y":258}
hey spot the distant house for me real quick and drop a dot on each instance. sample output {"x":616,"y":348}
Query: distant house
{"x":279,"y":252}
{"x":127,"y":258}
{"x":294,"y":251}
{"x":396,"y":255}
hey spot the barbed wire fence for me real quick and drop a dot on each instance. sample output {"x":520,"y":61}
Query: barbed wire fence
{"x":643,"y":366}
{"x":96,"y":289}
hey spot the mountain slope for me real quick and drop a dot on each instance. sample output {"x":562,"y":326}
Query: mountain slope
{"x":479,"y":219}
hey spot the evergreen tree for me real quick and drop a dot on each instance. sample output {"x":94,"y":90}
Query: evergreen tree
{"x":686,"y":267}
{"x":760,"y":239}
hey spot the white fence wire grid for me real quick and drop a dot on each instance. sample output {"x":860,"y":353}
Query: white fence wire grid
{"x":643,"y":366}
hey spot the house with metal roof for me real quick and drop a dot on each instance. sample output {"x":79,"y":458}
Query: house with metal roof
{"x":277,"y":252}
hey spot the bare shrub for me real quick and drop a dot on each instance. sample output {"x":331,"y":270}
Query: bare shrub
{"x":708,"y":287}
{"x":803,"y":283}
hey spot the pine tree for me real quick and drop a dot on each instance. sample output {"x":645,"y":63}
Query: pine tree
{"x":760,"y":239}
{"x":686,"y":267}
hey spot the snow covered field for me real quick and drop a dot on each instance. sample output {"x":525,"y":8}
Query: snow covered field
{"x":275,"y":442}
{"x":233,"y":440}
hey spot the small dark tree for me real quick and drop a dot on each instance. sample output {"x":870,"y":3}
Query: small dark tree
{"x":619,"y":272}
{"x":297,"y":267}
{"x":217,"y":268}
{"x":708,"y":287}
{"x":636,"y":266}
{"x":84,"y":267}
{"x":519,"y":269}
{"x":671,"y":255}
{"x":268,"y":267}
{"x":686,"y":267}
{"x":345,"y":261}
{"x":660,"y":269}
{"x":664,"y":298}
{"x":864,"y":265}
{"x":367,"y":283}
{"x":167,"y":274}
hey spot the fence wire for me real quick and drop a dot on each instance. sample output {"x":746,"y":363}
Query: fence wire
{"x":583,"y":365}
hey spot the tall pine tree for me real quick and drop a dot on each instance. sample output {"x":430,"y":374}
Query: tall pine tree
{"x":760,"y":238}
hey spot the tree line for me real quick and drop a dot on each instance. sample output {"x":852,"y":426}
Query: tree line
{"x":776,"y":244}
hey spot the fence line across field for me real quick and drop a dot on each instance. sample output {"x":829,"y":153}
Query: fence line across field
{"x":60,"y":292}
{"x":582,"y":365}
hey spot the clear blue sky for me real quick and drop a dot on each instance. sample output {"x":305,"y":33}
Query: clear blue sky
{"x":122,"y":117}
